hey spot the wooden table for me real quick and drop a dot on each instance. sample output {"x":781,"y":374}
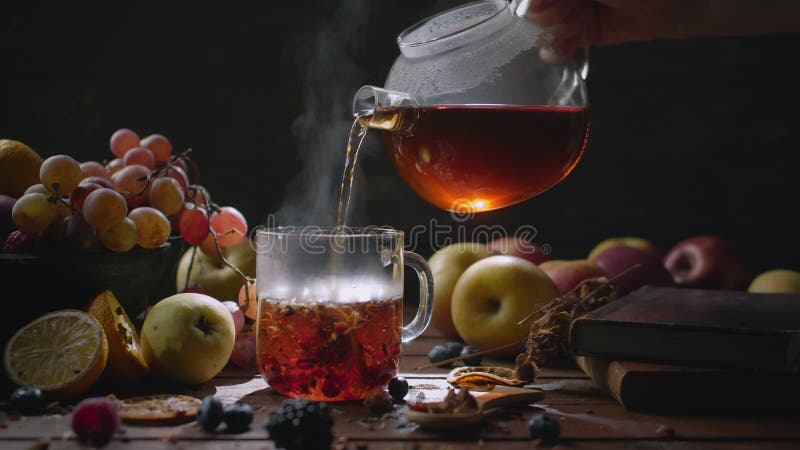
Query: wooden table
{"x":589,"y":419}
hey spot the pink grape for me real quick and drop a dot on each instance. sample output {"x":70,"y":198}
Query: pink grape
{"x":159,"y":145}
{"x":141,"y":156}
{"x":179,"y":175}
{"x":166,"y":195}
{"x":226,"y":219}
{"x":60,"y":173}
{"x":33,"y":212}
{"x":208,"y":246}
{"x":131,"y":182}
{"x":244,"y":351}
{"x":80,"y":193}
{"x":115,"y":165}
{"x":79,"y":236}
{"x":181,"y":162}
{"x":123,"y":140}
{"x":97,"y":180}
{"x":152,"y":225}
{"x":193,"y":224}
{"x":121,"y":237}
{"x":94,"y":169}
{"x":236,"y":314}
{"x":104,"y":208}
{"x":250,"y":307}
{"x":196,"y":192}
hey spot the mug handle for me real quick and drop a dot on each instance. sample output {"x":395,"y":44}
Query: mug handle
{"x":425,"y":308}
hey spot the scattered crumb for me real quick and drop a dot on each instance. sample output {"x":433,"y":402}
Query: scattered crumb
{"x":43,"y":443}
{"x":589,"y":411}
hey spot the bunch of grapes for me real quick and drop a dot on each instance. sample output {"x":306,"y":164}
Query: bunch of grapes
{"x":142,"y":196}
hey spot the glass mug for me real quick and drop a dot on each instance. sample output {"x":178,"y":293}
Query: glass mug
{"x":330,"y":309}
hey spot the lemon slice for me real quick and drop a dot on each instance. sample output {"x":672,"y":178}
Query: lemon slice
{"x":63,"y":353}
{"x":125,"y":360}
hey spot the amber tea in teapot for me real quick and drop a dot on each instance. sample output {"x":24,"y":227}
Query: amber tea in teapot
{"x":484,"y":157}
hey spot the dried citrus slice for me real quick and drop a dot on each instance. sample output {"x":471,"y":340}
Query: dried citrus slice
{"x":159,"y":410}
{"x":125,"y":360}
{"x":482,"y":378}
{"x":63,"y":353}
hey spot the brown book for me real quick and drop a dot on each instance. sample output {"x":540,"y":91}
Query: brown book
{"x":695,"y":327}
{"x":659,"y":388}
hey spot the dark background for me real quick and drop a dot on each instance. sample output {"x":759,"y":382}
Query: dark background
{"x":688,"y":137}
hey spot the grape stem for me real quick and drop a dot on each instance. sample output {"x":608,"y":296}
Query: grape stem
{"x":57,"y":198}
{"x":247,"y":280}
{"x":161,"y":170}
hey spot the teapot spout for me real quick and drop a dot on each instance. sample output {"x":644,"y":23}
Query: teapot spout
{"x":385,"y":110}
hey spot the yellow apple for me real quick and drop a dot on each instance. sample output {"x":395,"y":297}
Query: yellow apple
{"x":217,"y":279}
{"x":493,"y":295}
{"x":778,"y":281}
{"x":188,"y":338}
{"x":447,"y":265}
{"x":626,"y":241}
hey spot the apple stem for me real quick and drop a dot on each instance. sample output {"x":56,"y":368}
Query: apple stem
{"x":471,"y":355}
{"x":189,"y":270}
{"x":573,"y":290}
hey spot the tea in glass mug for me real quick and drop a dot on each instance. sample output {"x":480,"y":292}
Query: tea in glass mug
{"x":330,"y":309}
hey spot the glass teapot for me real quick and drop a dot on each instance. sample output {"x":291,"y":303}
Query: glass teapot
{"x":475,"y":118}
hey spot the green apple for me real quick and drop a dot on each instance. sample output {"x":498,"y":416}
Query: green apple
{"x":188,"y":337}
{"x":447,"y":265}
{"x":778,"y":281}
{"x":493,"y":295}
{"x":217,"y":279}
{"x":626,"y":241}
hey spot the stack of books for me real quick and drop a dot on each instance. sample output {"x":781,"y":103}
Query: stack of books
{"x":668,"y":349}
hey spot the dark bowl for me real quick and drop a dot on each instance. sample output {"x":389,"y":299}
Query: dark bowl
{"x":34,"y":284}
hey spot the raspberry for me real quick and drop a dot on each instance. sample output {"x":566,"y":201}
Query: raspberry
{"x":20,"y":242}
{"x":95,"y":420}
{"x":301,"y":425}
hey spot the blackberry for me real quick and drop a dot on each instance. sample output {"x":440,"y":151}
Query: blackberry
{"x":27,"y":400}
{"x":398,"y":389}
{"x":301,"y":425}
{"x":238,"y":417}
{"x":210,"y":414}
{"x":544,"y":428}
{"x":471,"y":361}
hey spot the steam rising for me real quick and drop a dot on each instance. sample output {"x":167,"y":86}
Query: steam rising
{"x":330,"y":78}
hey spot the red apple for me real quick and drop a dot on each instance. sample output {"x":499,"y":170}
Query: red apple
{"x":566,"y":275}
{"x":521,"y":248}
{"x":707,"y":262}
{"x":650,"y":270}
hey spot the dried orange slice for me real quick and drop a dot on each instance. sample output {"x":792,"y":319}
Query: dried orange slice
{"x":159,"y":410}
{"x":125,"y":360}
{"x":482,"y":378}
{"x":63,"y":353}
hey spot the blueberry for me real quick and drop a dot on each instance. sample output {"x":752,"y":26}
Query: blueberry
{"x":210,"y":414}
{"x":27,"y":400}
{"x":398,"y":388}
{"x":544,"y":428}
{"x":474,"y":360}
{"x":238,"y":417}
{"x":454,"y":348}
{"x":439,"y":353}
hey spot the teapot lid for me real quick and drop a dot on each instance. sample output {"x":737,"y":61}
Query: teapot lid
{"x":452,"y":28}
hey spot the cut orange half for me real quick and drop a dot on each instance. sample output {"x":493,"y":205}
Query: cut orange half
{"x":63,"y":353}
{"x":125,"y":360}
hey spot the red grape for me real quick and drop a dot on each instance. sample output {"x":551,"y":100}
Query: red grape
{"x":141,"y":156}
{"x":179,"y":175}
{"x":193,"y":224}
{"x":244,"y":351}
{"x":226,"y":219}
{"x":123,"y":140}
{"x":97,"y":180}
{"x":159,"y":145}
{"x":80,"y":193}
{"x":236,"y":314}
{"x":131,"y":182}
